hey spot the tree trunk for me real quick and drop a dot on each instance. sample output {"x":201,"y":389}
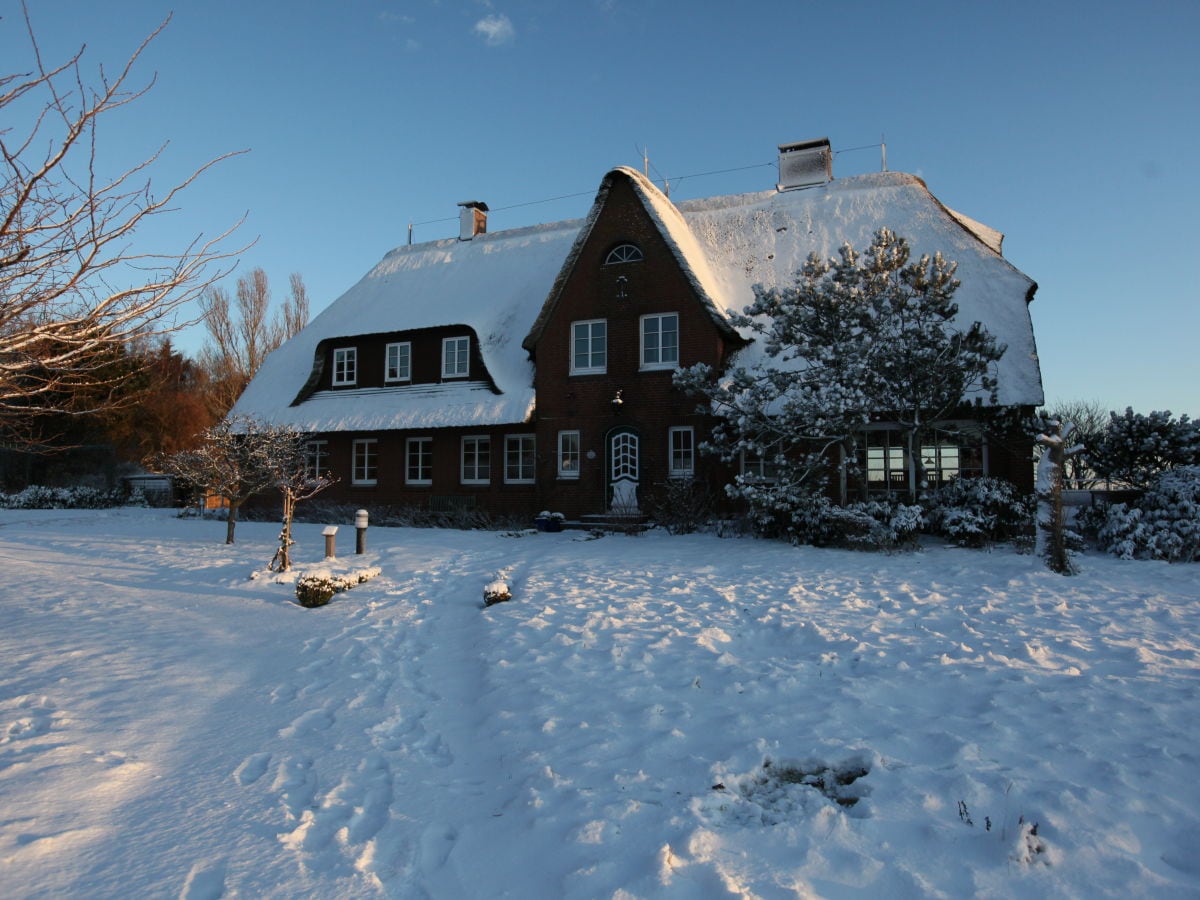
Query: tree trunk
{"x":285,"y":535}
{"x":230,"y":523}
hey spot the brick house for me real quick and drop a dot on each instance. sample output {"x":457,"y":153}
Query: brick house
{"x":530,"y":369}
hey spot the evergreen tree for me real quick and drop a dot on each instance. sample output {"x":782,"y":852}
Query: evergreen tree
{"x":860,"y":337}
{"x":1135,"y":448}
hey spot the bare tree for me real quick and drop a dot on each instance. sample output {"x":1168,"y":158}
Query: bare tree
{"x":74,"y":290}
{"x":242,"y":332}
{"x":297,"y":480}
{"x":240,"y":457}
{"x":231,"y":461}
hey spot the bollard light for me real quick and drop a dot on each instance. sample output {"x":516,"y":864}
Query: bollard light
{"x":360,"y":526}
{"x":330,"y":533}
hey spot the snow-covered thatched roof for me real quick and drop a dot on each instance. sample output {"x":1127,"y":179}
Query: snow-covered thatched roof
{"x":502,"y":284}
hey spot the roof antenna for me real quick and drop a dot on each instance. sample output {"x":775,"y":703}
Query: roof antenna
{"x":646,"y":161}
{"x":883,"y":145}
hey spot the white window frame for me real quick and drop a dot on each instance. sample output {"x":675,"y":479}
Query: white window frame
{"x":525,"y":447}
{"x":627,"y":252}
{"x":656,"y":349}
{"x":345,"y":366}
{"x":681,"y":444}
{"x":422,"y":447}
{"x":589,"y":369}
{"x":391,"y":362}
{"x":569,"y":455}
{"x":364,"y":462}
{"x":473,"y":448}
{"x":456,"y":357}
{"x":316,"y":456}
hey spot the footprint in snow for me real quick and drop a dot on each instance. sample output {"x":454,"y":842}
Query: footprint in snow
{"x":307,"y":723}
{"x":206,"y":881}
{"x":296,"y":783}
{"x":252,"y":768}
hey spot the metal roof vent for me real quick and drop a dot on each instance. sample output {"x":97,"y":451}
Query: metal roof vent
{"x":472,"y":219}
{"x":805,"y":164}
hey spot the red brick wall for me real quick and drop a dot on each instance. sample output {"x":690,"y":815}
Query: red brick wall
{"x":650,"y":404}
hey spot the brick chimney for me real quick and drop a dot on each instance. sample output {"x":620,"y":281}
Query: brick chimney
{"x":472,"y":219}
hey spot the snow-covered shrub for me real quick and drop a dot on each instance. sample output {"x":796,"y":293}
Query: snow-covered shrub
{"x":875,"y":525}
{"x":1164,"y":524}
{"x":681,"y":505}
{"x":496,"y":592}
{"x":41,"y":497}
{"x":975,"y":512}
{"x":317,"y":588}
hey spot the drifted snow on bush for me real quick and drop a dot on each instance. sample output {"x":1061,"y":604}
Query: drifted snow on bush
{"x":975,"y":512}
{"x":317,"y":588}
{"x":1164,"y":524}
{"x":40,"y":497}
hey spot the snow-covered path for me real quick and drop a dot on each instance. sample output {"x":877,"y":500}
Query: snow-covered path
{"x":171,"y":728}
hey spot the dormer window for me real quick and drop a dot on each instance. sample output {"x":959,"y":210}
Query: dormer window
{"x":624,"y":253}
{"x":456,"y":356}
{"x":345,"y":366}
{"x":398,"y":362}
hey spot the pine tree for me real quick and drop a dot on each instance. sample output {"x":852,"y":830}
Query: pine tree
{"x":857,"y":338}
{"x":1136,"y":448}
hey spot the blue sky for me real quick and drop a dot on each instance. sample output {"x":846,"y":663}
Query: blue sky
{"x":1073,"y":128}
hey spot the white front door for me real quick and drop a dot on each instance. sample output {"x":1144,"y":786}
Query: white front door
{"x":623,"y":471}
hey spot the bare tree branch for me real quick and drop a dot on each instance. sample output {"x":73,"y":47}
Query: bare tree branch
{"x":75,"y":289}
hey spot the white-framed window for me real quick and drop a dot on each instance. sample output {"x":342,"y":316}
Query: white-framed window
{"x":589,"y":347}
{"x":365,"y":465}
{"x":456,"y":357}
{"x":316,"y":458}
{"x":660,"y":341}
{"x":345,"y":365}
{"x":568,"y":454}
{"x":624,"y":253}
{"x":519,"y":458}
{"x":683,"y":452}
{"x":476,"y":459}
{"x":418,"y":461}
{"x":757,"y":468}
{"x":397,"y":365}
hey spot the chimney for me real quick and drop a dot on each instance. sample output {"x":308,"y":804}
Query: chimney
{"x":472,"y":220}
{"x":805,"y":164}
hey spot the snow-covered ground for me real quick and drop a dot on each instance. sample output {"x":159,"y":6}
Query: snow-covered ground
{"x":639,"y":721}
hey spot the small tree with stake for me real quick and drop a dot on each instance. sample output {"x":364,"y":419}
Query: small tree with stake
{"x":297,"y":481}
